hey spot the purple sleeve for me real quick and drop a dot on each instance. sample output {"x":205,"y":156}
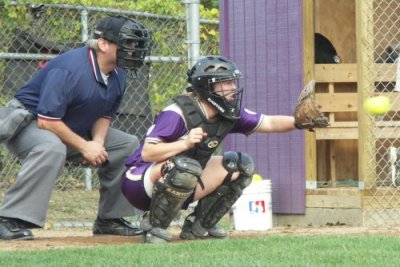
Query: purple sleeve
{"x":248,"y":123}
{"x":169,"y":126}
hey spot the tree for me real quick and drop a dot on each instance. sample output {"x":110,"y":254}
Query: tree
{"x":208,"y":4}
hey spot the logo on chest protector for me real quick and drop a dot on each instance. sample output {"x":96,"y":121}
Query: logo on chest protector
{"x":212,"y":143}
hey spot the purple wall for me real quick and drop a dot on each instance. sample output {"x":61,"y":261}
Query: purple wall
{"x":264,"y":37}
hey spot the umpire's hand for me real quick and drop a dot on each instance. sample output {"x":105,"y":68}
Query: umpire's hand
{"x":94,"y":153}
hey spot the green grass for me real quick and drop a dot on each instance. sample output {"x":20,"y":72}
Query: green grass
{"x":73,"y":205}
{"x":263,"y":251}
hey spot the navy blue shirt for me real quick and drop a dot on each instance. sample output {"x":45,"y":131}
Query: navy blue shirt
{"x":70,"y":88}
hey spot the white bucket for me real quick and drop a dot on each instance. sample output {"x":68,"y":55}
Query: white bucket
{"x":253,"y":210}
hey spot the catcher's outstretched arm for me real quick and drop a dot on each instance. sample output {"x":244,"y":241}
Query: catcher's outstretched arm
{"x":306,"y":115}
{"x":276,"y":124}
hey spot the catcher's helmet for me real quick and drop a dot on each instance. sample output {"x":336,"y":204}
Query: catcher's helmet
{"x":206,"y":73}
{"x":132,"y":38}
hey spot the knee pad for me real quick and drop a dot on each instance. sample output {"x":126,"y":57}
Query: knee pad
{"x":180,"y":178}
{"x":181,"y":172}
{"x":238,"y":161}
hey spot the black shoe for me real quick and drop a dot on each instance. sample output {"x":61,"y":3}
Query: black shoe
{"x":115,"y":227}
{"x":14,"y":229}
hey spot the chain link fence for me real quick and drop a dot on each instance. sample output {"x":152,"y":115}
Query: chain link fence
{"x":33,"y":34}
{"x":380,"y":54}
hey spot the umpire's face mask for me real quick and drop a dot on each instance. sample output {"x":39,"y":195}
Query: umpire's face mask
{"x":133,"y":45}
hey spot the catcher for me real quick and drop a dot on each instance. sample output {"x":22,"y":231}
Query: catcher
{"x":175,"y":166}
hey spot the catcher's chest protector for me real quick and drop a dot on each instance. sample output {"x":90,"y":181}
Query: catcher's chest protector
{"x":216,"y":129}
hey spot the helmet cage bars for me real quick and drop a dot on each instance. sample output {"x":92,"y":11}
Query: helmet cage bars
{"x":227,"y":102}
{"x":134,"y":44}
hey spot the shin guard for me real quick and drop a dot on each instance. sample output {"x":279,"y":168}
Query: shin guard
{"x":210,"y":209}
{"x":180,"y":179}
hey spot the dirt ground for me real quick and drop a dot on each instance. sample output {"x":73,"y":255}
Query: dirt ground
{"x":79,"y":237}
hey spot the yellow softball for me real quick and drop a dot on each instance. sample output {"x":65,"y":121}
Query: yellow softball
{"x":377,"y":105}
{"x":257,"y":178}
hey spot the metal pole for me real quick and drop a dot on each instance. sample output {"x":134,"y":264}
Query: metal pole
{"x":88,"y":178}
{"x":84,"y":38}
{"x":84,"y":21}
{"x":193,"y":30}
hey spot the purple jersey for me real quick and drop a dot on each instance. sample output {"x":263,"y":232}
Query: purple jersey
{"x":170,"y":126}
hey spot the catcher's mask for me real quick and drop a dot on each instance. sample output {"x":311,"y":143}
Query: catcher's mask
{"x":132,"y":38}
{"x":208,"y":75}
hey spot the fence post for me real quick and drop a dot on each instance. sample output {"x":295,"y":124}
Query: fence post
{"x":84,"y":21}
{"x":84,"y":37}
{"x":193,"y":30}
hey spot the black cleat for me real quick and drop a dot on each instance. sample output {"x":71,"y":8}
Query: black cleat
{"x":14,"y":229}
{"x":118,"y":226}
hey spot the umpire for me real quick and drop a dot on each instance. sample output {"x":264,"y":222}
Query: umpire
{"x":73,"y":100}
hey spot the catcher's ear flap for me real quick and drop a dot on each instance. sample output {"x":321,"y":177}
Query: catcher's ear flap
{"x":189,"y":73}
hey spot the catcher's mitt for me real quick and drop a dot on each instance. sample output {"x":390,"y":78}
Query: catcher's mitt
{"x":306,"y":114}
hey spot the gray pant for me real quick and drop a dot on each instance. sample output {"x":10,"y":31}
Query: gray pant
{"x":43,"y":158}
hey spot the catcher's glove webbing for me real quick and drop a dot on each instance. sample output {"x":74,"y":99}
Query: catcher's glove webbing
{"x":306,"y":114}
